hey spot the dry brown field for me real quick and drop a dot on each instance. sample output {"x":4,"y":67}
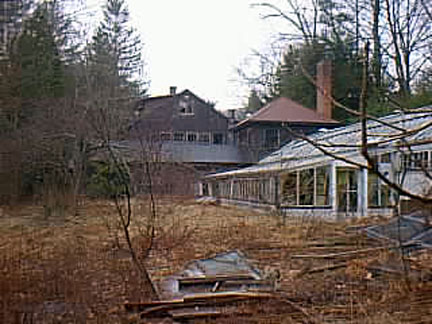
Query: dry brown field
{"x":77,"y":269}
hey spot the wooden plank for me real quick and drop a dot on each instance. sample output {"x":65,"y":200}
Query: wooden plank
{"x":340,"y":254}
{"x":227,"y":294}
{"x":194,"y":314}
{"x":208,"y":313}
{"x":194,"y":302}
{"x":247,"y":282}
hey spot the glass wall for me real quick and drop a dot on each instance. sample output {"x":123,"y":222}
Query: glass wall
{"x":309,"y":187}
{"x":257,"y":190}
{"x":347,"y":189}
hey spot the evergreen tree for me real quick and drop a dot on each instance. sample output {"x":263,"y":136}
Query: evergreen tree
{"x":116,"y":50}
{"x":37,"y":54}
{"x":254,"y":102}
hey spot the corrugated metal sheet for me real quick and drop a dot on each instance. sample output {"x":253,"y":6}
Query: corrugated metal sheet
{"x":227,"y":271}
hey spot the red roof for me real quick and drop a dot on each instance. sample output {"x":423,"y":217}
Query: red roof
{"x":289,"y":111}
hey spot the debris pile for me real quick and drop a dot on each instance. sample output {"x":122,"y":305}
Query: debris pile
{"x":412,"y":231}
{"x":212,"y":287}
{"x":338,"y":274}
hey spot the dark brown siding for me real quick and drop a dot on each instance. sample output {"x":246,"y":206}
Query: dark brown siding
{"x":167,"y":114}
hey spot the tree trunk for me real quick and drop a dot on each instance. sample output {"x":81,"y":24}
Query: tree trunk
{"x":376,"y":56}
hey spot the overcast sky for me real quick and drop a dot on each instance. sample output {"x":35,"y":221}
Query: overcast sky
{"x":197,"y":44}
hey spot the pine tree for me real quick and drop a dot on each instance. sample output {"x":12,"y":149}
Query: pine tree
{"x":254,"y":102}
{"x":36,"y":52}
{"x":116,"y":49}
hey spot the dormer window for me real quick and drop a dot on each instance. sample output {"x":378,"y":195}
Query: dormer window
{"x":186,"y":107}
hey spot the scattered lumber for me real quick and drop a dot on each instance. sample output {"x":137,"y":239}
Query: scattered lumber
{"x":205,"y":305}
{"x":205,"y":299}
{"x":339,"y":254}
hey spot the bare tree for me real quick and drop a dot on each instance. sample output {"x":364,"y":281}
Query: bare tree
{"x":400,"y":31}
{"x":303,"y":16}
{"x":397,"y":134}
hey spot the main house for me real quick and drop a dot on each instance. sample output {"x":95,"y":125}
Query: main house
{"x":186,"y":137}
{"x":180,"y":117}
{"x":302,"y":179}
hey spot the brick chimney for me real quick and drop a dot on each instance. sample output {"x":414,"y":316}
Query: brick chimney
{"x":324,"y":105}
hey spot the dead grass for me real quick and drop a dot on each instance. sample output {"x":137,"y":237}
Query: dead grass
{"x":73,"y":270}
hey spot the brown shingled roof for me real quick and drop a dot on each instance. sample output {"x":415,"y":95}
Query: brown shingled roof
{"x":289,"y":111}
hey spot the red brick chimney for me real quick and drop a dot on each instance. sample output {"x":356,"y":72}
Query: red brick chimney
{"x":324,"y":89}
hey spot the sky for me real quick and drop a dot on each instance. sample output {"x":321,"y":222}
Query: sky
{"x":197,"y":45}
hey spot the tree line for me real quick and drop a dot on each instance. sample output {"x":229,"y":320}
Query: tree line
{"x":400,"y":67}
{"x":63,"y":94}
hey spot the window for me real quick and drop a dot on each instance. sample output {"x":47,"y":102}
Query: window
{"x":263,"y":190}
{"x":215,"y":189}
{"x":378,"y":192}
{"x":416,"y":161}
{"x":386,"y":158}
{"x":289,"y":189}
{"x":186,"y":106}
{"x":322,"y":186}
{"x":179,"y":136}
{"x":205,"y":189}
{"x":236,"y":190}
{"x":191,"y":137}
{"x":225,"y":189}
{"x":306,"y":187}
{"x":165,"y":136}
{"x":218,"y":138}
{"x":204,"y":137}
{"x":347,"y":190}
{"x":272,"y":138}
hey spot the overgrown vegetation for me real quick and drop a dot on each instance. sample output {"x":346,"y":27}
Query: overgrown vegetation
{"x":77,"y":272}
{"x":66,"y":97}
{"x":105,"y":180}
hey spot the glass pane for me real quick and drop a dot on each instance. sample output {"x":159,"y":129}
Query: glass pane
{"x":306,"y":187}
{"x":322,"y":186}
{"x":373,"y":190}
{"x":289,"y":189}
{"x":347,"y":190}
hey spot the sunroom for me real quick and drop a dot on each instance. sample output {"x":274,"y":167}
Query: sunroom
{"x":305,"y":180}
